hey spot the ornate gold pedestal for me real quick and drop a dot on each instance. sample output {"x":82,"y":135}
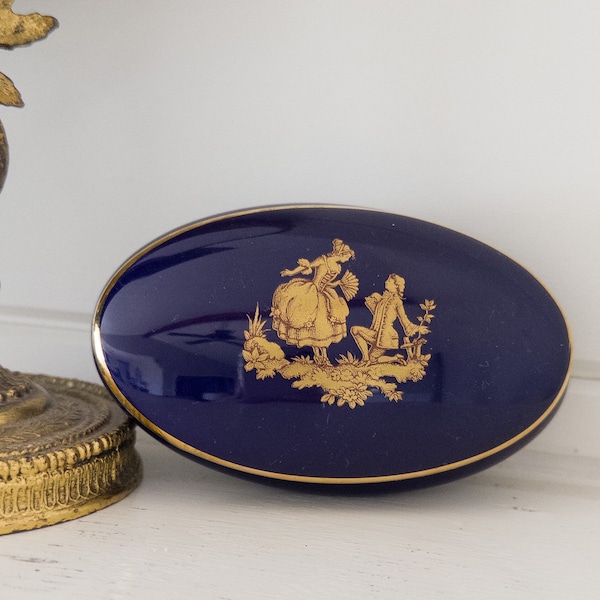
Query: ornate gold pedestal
{"x":66,"y":450}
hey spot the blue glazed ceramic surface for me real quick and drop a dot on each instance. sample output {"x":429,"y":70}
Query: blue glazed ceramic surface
{"x":331,"y":345}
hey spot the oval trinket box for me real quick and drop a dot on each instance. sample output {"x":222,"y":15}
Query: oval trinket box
{"x":332,"y":345}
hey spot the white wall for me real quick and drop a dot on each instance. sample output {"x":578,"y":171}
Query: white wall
{"x":483,"y":116}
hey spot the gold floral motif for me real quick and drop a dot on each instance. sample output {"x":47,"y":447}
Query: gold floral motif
{"x":308,"y":312}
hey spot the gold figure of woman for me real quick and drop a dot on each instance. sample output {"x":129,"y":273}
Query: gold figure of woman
{"x":310,"y":312}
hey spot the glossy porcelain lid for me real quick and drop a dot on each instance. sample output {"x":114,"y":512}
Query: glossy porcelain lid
{"x":331,"y":345}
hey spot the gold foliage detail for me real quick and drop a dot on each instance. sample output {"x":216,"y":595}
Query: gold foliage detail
{"x":348,"y":382}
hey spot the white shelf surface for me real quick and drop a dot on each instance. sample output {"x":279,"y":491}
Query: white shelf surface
{"x":526,"y":528}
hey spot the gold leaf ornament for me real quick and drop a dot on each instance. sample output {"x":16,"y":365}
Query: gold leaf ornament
{"x":19,"y":30}
{"x":9,"y":95}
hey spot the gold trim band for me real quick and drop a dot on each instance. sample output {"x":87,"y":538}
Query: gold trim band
{"x":73,"y":458}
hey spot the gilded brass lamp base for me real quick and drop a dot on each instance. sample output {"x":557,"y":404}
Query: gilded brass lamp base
{"x":66,"y":450}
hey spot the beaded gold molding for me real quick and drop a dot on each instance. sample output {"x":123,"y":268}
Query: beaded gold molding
{"x":71,"y":455}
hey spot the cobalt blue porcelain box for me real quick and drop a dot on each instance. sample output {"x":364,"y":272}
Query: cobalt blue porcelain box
{"x":332,"y":345}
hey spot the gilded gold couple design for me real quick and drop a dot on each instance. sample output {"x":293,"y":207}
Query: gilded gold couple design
{"x":308,"y":311}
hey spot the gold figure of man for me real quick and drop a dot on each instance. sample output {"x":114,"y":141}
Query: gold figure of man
{"x":310,"y":312}
{"x":381,"y":336}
